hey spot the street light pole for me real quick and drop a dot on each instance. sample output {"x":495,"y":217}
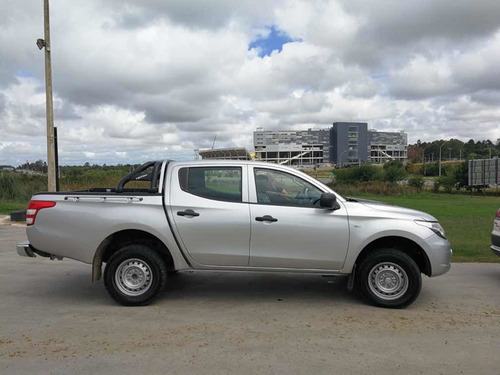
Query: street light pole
{"x":51,"y":156}
{"x":440,"y":148}
{"x":423,"y":161}
{"x":340,"y":158}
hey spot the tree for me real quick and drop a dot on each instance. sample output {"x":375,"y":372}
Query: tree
{"x":462,"y":175}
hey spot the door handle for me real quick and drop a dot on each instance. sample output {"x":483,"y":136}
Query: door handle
{"x":187,"y":213}
{"x":268,"y":218}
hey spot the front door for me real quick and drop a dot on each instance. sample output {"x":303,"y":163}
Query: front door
{"x":210,"y":216}
{"x":289,"y":230}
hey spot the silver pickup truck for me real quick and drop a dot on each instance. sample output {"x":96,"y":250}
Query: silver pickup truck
{"x":235,"y":216}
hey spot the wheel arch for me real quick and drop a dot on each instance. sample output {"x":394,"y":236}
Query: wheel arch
{"x":119,"y":239}
{"x":407,"y":246}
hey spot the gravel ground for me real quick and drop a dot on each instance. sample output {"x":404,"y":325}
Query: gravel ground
{"x":53,"y":320}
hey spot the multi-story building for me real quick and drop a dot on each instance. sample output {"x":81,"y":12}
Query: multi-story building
{"x":349,"y":142}
{"x":386,"y":146}
{"x":343,"y":143}
{"x":291,"y":147}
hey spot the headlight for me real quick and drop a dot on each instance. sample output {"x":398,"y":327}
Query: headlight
{"x":434,"y":226}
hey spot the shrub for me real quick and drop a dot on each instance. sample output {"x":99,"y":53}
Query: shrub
{"x":20,"y":187}
{"x":394,"y":171}
{"x":447,"y":182}
{"x":363,"y":173}
{"x":436,"y":186}
{"x":416,"y":182}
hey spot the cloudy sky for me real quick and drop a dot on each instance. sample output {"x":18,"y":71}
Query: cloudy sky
{"x":139,"y":80}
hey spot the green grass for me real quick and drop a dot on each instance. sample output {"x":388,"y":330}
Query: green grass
{"x":468,"y":221}
{"x":6,"y":207}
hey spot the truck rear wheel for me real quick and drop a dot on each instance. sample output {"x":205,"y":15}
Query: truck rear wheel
{"x":389,"y":278}
{"x":135,"y":275}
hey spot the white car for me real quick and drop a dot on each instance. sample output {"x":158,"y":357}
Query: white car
{"x":495,"y":234}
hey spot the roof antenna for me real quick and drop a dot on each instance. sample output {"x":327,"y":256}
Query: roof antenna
{"x":215,"y":138}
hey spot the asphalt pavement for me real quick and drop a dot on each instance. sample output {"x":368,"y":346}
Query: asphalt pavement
{"x":54,"y":320}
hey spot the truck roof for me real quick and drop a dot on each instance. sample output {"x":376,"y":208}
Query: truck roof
{"x":225,"y":162}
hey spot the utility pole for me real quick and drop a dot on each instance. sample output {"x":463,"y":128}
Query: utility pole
{"x":51,"y":154}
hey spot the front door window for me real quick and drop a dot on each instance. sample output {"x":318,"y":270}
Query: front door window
{"x":283,"y":189}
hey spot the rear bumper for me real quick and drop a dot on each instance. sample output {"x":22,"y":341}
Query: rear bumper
{"x":496,"y":250}
{"x":24,"y":249}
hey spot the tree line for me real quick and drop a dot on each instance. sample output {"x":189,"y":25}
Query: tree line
{"x":452,"y":149}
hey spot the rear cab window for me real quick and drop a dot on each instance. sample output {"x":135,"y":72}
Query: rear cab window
{"x":216,"y":183}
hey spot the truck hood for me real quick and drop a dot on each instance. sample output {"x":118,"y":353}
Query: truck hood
{"x":393,"y":210}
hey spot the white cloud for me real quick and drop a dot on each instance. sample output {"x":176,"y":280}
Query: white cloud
{"x":155,"y":79}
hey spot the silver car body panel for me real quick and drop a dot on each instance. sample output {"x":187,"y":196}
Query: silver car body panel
{"x":288,"y":242}
{"x":225,"y":235}
{"x":76,"y":228}
{"x":219,"y":236}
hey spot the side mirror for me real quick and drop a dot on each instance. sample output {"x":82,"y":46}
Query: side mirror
{"x":329,"y":201}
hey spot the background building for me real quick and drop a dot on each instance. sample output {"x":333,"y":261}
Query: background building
{"x":302,"y":147}
{"x":386,"y":146}
{"x":349,"y":142}
{"x":343,"y":143}
{"x":233,"y":153}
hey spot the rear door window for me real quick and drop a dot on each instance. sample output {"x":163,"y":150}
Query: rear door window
{"x":217,"y":183}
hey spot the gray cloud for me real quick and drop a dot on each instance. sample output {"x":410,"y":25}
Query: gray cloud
{"x":197,"y":13}
{"x":406,"y":22}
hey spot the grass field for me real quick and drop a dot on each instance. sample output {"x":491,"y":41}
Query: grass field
{"x":468,"y":221}
{"x":6,"y":207}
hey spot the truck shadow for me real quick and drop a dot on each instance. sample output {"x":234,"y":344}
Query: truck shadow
{"x":73,"y":286}
{"x":255,"y":287}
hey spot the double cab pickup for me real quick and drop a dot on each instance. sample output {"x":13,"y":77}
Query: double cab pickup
{"x":235,"y":216}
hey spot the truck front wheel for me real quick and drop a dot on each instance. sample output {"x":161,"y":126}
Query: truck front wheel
{"x":389,"y":278}
{"x":135,"y":275}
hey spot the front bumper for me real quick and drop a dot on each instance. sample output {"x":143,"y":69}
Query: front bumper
{"x":495,"y":243}
{"x":439,"y":255}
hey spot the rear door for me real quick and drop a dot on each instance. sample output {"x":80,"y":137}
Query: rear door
{"x":289,"y":230}
{"x":210,"y":209}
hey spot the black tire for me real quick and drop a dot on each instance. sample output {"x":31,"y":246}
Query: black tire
{"x":399,"y":281}
{"x":135,"y":275}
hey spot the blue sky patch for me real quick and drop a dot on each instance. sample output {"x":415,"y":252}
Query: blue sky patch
{"x":273,"y":41}
{"x":24,"y":73}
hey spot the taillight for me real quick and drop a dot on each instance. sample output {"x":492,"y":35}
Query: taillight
{"x":498,"y":214}
{"x":34,"y":207}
